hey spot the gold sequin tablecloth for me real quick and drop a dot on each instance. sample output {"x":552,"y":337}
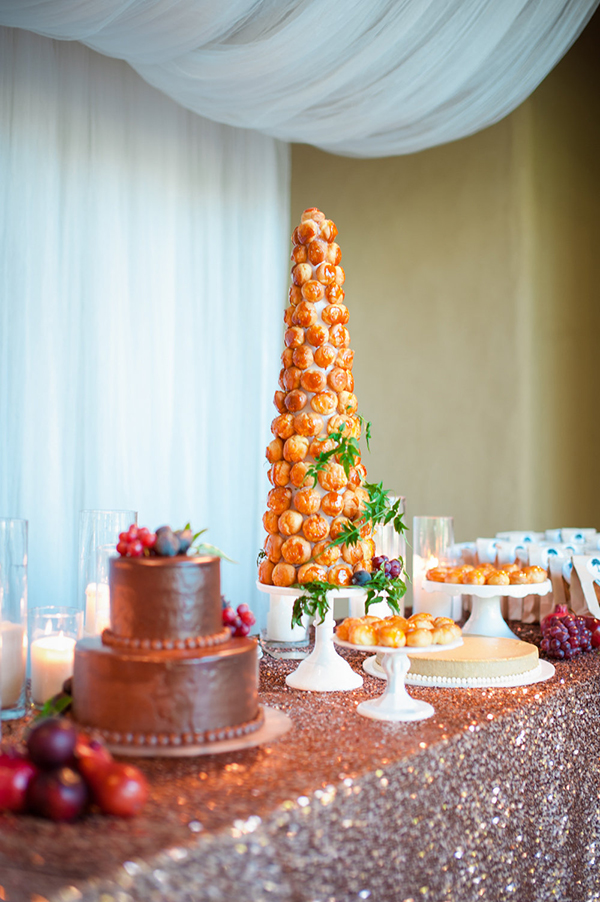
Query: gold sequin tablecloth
{"x":495,"y":798}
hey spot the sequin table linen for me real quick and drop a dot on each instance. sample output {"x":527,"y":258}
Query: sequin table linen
{"x":496,"y":798}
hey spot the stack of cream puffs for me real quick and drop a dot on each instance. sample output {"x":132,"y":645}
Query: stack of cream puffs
{"x":418,"y":631}
{"x":315,"y":399}
{"x":488,"y":575}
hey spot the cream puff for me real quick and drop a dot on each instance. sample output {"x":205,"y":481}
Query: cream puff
{"x":283,"y":575}
{"x":290,"y":523}
{"x":309,"y":424}
{"x":296,"y":550}
{"x":295,"y":448}
{"x":305,"y":313}
{"x":279,"y":499}
{"x":307,"y":501}
{"x":315,"y":528}
{"x":311,"y":573}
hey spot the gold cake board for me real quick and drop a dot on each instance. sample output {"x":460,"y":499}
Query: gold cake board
{"x":275,"y":725}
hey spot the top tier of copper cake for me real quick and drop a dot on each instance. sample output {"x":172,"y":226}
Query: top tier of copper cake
{"x":165,"y":598}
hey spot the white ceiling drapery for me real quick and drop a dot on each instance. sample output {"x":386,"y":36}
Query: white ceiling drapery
{"x":366,"y":79}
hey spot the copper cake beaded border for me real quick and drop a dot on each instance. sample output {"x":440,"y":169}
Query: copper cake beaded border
{"x":109,"y":638}
{"x":170,"y":740}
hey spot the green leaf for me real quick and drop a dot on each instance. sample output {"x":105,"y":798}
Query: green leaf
{"x":206,"y":548}
{"x":312,"y":601}
{"x":55,"y":706}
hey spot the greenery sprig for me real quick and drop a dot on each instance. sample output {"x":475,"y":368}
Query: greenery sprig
{"x":384,"y":588}
{"x":206,"y":547}
{"x":313,"y":601}
{"x":345,"y":451}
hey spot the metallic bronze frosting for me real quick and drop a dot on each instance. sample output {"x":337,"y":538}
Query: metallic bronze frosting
{"x":164,"y":692}
{"x":165,"y":597}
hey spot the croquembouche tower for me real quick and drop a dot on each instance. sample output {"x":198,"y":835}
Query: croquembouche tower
{"x":312,"y":502}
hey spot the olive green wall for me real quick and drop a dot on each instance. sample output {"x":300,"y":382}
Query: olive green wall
{"x":473,"y":279}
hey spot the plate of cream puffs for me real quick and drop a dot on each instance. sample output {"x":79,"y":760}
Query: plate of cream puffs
{"x":485,"y":580}
{"x":419,"y":632}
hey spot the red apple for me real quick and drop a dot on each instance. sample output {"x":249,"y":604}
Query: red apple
{"x":121,"y":790}
{"x":596,"y":637}
{"x":16,"y":773}
{"x":91,"y":758}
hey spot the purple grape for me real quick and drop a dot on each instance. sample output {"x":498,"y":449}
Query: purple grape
{"x":395,"y":569}
{"x":379,"y":561}
{"x":51,"y":742}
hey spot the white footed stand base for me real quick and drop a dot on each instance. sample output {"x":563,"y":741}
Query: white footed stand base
{"x":323,"y":670}
{"x":396,"y":704}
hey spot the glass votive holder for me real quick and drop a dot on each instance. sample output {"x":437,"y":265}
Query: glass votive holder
{"x":98,"y":529}
{"x":13,"y":624}
{"x":53,"y":632}
{"x":432,"y":538}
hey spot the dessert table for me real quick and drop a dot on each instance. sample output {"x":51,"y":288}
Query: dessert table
{"x":495,"y":797}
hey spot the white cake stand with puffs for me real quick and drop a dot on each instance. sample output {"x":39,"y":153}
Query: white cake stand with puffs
{"x":486,"y":613}
{"x":396,"y":704}
{"x":323,"y":670}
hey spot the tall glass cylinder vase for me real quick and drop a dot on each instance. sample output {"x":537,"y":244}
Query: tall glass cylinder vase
{"x":98,"y":535}
{"x":13,"y":592}
{"x":432,"y":538}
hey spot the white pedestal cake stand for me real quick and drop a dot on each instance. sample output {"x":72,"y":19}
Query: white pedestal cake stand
{"x":486,"y":614}
{"x":323,"y":670}
{"x":396,"y":704}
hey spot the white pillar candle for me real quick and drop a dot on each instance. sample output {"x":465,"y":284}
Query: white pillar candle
{"x":51,"y":665}
{"x":13,"y":661}
{"x":97,"y":608}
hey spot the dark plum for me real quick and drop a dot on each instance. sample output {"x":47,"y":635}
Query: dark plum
{"x":361,"y":578}
{"x":59,"y":795}
{"x":51,"y":742}
{"x":167,"y":544}
{"x":185,"y":537}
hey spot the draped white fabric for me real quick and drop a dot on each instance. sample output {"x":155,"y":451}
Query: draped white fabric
{"x":356,"y":77}
{"x":143,"y":269}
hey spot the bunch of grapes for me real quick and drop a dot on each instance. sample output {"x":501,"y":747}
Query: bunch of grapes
{"x":134,"y":542}
{"x":62,"y":772}
{"x":392,"y":569}
{"x":240,"y":621}
{"x":565,"y":636}
{"x":140,"y":542}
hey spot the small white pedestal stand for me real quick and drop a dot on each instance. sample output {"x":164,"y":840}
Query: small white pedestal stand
{"x":396,"y":704}
{"x":486,"y":614}
{"x":323,"y":670}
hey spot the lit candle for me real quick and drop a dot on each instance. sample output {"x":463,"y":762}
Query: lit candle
{"x":97,"y":608}
{"x":13,"y":661}
{"x":51,"y":665}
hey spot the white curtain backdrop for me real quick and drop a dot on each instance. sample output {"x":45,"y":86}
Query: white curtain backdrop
{"x":358,"y":77}
{"x":143,"y":271}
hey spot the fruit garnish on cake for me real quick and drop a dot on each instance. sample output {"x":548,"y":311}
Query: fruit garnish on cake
{"x":139,"y":541}
{"x":322,"y":511}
